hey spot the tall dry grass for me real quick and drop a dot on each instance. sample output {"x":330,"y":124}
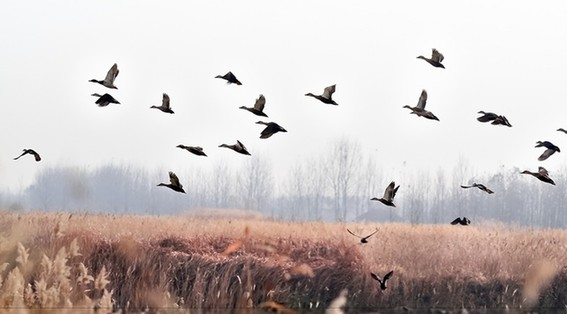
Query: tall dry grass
{"x":103,"y":262}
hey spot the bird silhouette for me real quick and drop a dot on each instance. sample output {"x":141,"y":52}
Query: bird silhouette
{"x":109,"y":79}
{"x":420,"y":108}
{"x":193,"y":149}
{"x":164,"y":104}
{"x":389,"y":195}
{"x":541,"y":174}
{"x":258,"y":107}
{"x":562,"y":130}
{"x":458,"y":221}
{"x":31,"y":152}
{"x":363,"y":239}
{"x":238,"y":147}
{"x":496,"y":119}
{"x":383,"y":282}
{"x":481,"y":187}
{"x":270,"y":129}
{"x":230,"y":78}
{"x":435,"y":60}
{"x":174,"y":183}
{"x":327,"y":96}
{"x":104,"y":100}
{"x":551,"y":149}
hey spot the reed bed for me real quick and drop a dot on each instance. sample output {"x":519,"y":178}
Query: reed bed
{"x":104,"y":263}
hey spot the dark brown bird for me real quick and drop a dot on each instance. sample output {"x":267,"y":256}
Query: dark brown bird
{"x":270,"y":129}
{"x":230,"y":78}
{"x":389,"y":195}
{"x":383,"y":282}
{"x":104,"y":100}
{"x":420,"y":108}
{"x":174,"y":183}
{"x":481,"y":187}
{"x":551,"y":149}
{"x":109,"y":79}
{"x":31,"y":152}
{"x":193,"y":149}
{"x":458,"y":221}
{"x":362,"y":239}
{"x":541,"y":174}
{"x":164,"y":105}
{"x":327,"y":96}
{"x":436,"y":59}
{"x":238,"y":147}
{"x":258,"y":108}
{"x":496,"y":119}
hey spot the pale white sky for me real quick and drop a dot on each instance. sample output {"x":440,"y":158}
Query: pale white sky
{"x":508,"y":57}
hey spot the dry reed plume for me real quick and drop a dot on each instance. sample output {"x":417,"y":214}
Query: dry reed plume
{"x":104,"y":262}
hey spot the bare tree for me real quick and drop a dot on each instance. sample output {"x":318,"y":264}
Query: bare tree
{"x":341,"y":167}
{"x":256,"y":183}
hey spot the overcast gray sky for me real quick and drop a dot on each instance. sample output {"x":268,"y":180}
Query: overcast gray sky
{"x":508,"y":57}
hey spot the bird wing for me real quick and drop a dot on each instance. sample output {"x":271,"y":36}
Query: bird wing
{"x":165,"y":101}
{"x":422,"y":100}
{"x":389,"y":192}
{"x":388,"y":275}
{"x":112,"y":74}
{"x":328,"y":92}
{"x":268,"y":131}
{"x":25,"y":152}
{"x":174,"y":179}
{"x":260,"y":102}
{"x":456,"y":221}
{"x":543,"y":171}
{"x":368,"y":236}
{"x":353,"y":233}
{"x":35,"y":154}
{"x":376,"y":277}
{"x":467,"y":186}
{"x":436,"y":55}
{"x":548,"y":152}
{"x":240,"y":144}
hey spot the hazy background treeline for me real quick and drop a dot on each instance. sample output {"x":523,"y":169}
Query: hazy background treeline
{"x":335,"y":186}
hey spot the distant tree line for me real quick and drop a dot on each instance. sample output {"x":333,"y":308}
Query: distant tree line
{"x":335,"y":187}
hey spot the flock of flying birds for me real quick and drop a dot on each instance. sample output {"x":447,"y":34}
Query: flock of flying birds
{"x":272,"y":128}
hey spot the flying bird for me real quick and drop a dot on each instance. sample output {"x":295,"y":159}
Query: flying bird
{"x":230,"y":78}
{"x":389,"y":195}
{"x":193,"y":149}
{"x":164,"y":105}
{"x":174,"y":183}
{"x":436,"y":59}
{"x":362,"y":239}
{"x":496,"y":119}
{"x":327,"y":96}
{"x":384,"y":281}
{"x":109,"y":79}
{"x":551,"y":149}
{"x":258,"y":108}
{"x":541,"y":174}
{"x":104,"y":100}
{"x":562,"y":130}
{"x":238,"y":147}
{"x":481,"y":187}
{"x":420,"y":108}
{"x":31,"y":152}
{"x":270,"y":129}
{"x":458,"y":221}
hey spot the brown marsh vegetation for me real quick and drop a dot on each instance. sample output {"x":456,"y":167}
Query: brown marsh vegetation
{"x":104,"y":262}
